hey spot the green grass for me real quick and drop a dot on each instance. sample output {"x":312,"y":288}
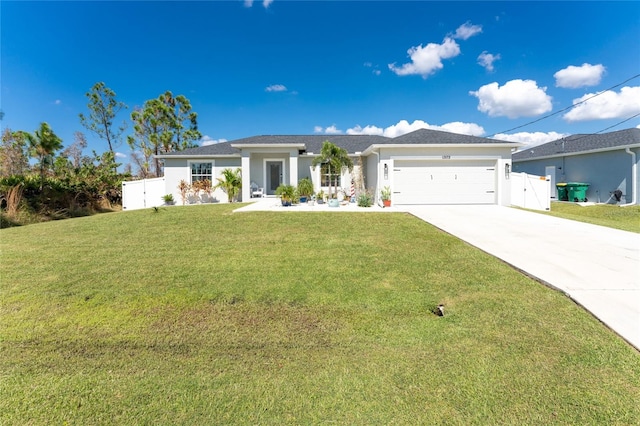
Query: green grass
{"x":624,"y":218}
{"x":196,"y":315}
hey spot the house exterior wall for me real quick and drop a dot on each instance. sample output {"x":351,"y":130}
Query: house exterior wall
{"x":177,"y":169}
{"x":604,"y":171}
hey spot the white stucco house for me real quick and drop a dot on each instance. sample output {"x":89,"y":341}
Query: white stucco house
{"x":422,"y":167}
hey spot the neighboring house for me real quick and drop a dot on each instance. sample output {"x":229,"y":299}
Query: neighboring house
{"x":607,"y":162}
{"x":422,"y":167}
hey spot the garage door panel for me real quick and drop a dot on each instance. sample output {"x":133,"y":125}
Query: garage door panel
{"x":428,"y":182}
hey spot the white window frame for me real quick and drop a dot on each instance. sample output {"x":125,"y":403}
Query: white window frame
{"x":191,"y":175}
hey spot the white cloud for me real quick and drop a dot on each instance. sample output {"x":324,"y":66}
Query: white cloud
{"x":276,"y":88}
{"x":375,"y":70}
{"x":573,"y":77}
{"x":403,"y":127}
{"x":608,"y":104}
{"x":265,"y":3}
{"x":531,"y":139}
{"x":467,"y":30}
{"x":57,"y":102}
{"x":487,"y":59}
{"x":207,"y":140}
{"x":517,"y":98}
{"x":428,"y":59}
{"x":331,"y":130}
{"x":367,"y":130}
{"x":120,"y":155}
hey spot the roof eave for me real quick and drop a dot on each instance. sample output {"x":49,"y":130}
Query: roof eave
{"x":567,"y":154}
{"x":373,"y":147}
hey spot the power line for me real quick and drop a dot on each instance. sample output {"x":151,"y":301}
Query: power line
{"x":605,"y":129}
{"x":571,"y":107}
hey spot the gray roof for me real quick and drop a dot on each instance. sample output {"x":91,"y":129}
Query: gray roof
{"x":352,"y":143}
{"x":427,"y":136}
{"x":581,"y":143}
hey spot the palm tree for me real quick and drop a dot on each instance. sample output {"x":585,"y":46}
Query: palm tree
{"x":335,"y":158}
{"x":230,"y":182}
{"x":42,"y":145}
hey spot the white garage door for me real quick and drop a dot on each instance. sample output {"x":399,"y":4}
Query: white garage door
{"x":444,"y":182}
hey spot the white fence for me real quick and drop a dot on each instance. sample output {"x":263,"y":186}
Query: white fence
{"x":530,"y":191}
{"x":139,"y":194}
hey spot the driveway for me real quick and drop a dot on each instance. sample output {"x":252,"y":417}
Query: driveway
{"x":598,"y":267}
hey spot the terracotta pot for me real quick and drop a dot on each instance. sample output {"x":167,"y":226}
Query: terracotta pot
{"x":386,"y":203}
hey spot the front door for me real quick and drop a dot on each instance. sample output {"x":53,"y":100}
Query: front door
{"x":274,"y":176}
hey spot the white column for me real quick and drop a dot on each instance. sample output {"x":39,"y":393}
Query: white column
{"x":246,"y":176}
{"x":293,"y":168}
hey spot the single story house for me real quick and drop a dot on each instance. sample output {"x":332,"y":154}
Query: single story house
{"x":422,"y":167}
{"x":608,"y":162}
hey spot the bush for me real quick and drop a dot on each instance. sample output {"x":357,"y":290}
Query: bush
{"x":365,"y":200}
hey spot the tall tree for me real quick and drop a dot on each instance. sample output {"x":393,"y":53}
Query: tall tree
{"x":103,"y":108}
{"x":42,"y":145}
{"x":183,"y":123}
{"x":336,"y":159}
{"x":14,"y":157}
{"x":74,"y":151}
{"x":165,"y":124}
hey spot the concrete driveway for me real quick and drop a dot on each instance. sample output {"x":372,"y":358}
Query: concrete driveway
{"x":597,"y":267}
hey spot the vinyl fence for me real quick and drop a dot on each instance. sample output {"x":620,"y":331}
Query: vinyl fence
{"x":139,"y":194}
{"x":530,"y":191}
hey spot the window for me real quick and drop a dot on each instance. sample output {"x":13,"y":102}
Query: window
{"x":201,"y":171}
{"x":326,"y":178}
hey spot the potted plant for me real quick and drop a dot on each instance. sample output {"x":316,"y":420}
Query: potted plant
{"x":168,"y":199}
{"x":287,"y":194}
{"x":385,"y":195}
{"x":320,"y":197}
{"x":305,"y":189}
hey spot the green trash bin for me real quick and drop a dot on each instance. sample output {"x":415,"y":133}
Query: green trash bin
{"x":577,"y":191}
{"x":562,"y":192}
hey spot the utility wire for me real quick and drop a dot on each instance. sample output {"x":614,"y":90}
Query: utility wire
{"x":610,"y":127}
{"x":571,"y":107}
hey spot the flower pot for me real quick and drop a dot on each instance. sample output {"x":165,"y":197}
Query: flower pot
{"x":334,"y":203}
{"x":386,"y":203}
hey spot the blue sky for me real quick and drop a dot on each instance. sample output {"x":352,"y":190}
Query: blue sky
{"x":302,"y":67}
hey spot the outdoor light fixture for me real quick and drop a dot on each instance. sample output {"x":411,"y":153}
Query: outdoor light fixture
{"x":386,"y":171}
{"x":507,"y":170}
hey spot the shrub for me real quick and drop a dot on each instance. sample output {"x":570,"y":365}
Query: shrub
{"x":365,"y":200}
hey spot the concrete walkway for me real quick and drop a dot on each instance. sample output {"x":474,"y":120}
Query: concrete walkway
{"x":597,"y":267}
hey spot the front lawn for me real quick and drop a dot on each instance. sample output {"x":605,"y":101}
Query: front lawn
{"x":197,"y":315}
{"x":624,"y":218}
